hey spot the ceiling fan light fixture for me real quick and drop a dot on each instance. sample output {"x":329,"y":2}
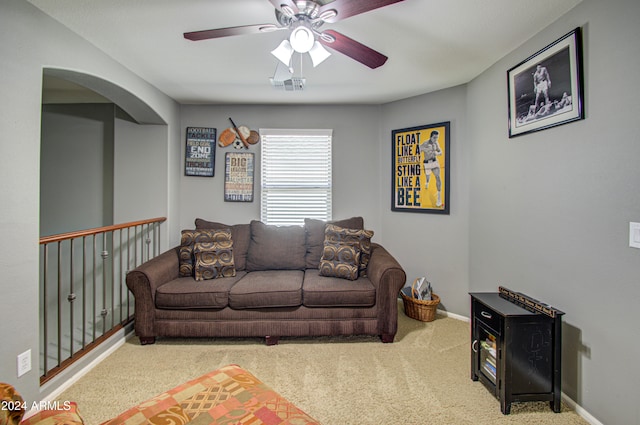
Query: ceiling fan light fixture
{"x":283,"y":52}
{"x":302,"y":39}
{"x":318,"y":54}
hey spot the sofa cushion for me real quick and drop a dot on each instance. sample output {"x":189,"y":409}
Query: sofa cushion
{"x":314,"y":234}
{"x":240,"y":233}
{"x":214,"y":259}
{"x":320,"y":291}
{"x":356,"y":237}
{"x":269,"y":288}
{"x":276,"y":247}
{"x":185,"y":293}
{"x":340,"y":260}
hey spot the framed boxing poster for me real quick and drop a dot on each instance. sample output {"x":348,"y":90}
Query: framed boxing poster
{"x":420,"y":161}
{"x":546,"y":89}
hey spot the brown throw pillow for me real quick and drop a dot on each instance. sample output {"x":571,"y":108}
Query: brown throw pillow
{"x":340,"y":260}
{"x":355,"y":237}
{"x":275,"y":247}
{"x":214,"y":259}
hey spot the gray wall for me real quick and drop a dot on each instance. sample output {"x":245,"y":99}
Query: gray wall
{"x":29,"y":43}
{"x":141,"y":177}
{"x":550,"y":211}
{"x":431,"y":245}
{"x":76,"y":166}
{"x":355,"y":160}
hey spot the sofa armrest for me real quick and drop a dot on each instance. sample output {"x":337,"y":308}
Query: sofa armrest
{"x":388,"y":277}
{"x":143,"y":282}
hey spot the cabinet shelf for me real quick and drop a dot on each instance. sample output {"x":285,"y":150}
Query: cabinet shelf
{"x":515,"y":352}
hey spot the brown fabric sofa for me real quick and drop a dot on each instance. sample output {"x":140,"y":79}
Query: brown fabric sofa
{"x":277,"y":289}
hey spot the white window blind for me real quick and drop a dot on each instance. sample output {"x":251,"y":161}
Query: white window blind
{"x":296,"y":175}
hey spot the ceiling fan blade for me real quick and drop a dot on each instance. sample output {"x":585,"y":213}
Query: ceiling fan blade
{"x":355,"y":50}
{"x":226,"y":32}
{"x":347,"y":8}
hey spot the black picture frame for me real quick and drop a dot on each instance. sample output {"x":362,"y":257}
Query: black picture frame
{"x":420,"y":171}
{"x":547,"y":89}
{"x":200,"y":152}
{"x":238,"y":176}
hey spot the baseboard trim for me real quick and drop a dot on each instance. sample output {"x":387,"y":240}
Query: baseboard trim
{"x":452,"y":315}
{"x":580,"y":410}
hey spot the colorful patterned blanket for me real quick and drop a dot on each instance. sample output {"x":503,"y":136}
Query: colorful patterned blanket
{"x":227,"y":396}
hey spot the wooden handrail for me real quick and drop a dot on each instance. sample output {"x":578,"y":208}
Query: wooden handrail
{"x":98,"y":230}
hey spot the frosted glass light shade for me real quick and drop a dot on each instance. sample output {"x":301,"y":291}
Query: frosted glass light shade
{"x":283,"y":52}
{"x":318,"y":54}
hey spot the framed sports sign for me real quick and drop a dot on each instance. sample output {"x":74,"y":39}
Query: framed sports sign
{"x":238,"y":177}
{"x":420,"y":161}
{"x":200,"y":153}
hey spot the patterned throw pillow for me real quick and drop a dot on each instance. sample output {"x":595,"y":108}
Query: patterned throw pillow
{"x":340,"y":260}
{"x":354,"y":237}
{"x":188,"y":240}
{"x":214,"y":258}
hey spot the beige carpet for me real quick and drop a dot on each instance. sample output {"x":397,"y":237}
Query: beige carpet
{"x":422,"y":378}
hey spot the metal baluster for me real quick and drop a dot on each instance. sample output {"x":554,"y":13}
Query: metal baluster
{"x":71,"y":298}
{"x":45,"y":310}
{"x":112,"y":279}
{"x":84,"y":292}
{"x":128,"y":266}
{"x":105,"y":255}
{"x":120,"y":275}
{"x":93,"y":312}
{"x":59,"y":303}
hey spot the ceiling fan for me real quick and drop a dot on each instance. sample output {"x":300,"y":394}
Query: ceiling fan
{"x":304,"y":18}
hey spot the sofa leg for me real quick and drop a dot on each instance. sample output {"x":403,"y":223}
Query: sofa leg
{"x":271,"y":340}
{"x":146,"y":340}
{"x":387,"y":338}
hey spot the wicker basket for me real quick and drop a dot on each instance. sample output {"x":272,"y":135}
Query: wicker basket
{"x":423,"y":310}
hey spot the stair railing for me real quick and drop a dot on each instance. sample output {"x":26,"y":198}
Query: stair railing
{"x":83,"y":295}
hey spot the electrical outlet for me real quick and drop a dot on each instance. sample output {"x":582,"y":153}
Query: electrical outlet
{"x":24,"y":363}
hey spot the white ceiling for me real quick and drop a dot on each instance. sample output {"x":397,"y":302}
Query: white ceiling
{"x":431,"y":45}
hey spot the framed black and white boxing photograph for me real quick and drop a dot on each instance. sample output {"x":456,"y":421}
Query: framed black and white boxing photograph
{"x":546,"y":89}
{"x":420,"y":177}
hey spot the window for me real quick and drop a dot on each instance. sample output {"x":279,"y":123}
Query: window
{"x":296,"y":175}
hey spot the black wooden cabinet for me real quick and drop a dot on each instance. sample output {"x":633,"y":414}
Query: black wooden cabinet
{"x":515,"y":350}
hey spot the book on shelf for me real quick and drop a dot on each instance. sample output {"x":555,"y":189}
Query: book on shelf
{"x":490,"y":369}
{"x":489,"y":346}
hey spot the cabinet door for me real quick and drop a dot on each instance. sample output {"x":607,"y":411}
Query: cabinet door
{"x":488,"y":354}
{"x":529,"y":348}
